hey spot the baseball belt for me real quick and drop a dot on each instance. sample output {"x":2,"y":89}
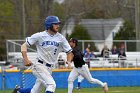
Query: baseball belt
{"x":48,"y":65}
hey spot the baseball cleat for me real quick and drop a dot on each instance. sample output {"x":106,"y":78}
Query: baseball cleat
{"x":105,"y":88}
{"x":16,"y":89}
{"x":78,"y":88}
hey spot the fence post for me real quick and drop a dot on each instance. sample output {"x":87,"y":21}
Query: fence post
{"x":3,"y":78}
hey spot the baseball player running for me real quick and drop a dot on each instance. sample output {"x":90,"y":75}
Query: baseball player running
{"x":49,"y":44}
{"x":80,"y":68}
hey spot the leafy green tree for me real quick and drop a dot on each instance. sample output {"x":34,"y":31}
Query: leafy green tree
{"x":5,"y":8}
{"x":6,"y":23}
{"x":127,"y":33}
{"x":81,"y":33}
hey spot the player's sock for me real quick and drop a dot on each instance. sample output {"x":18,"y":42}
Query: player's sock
{"x":79,"y":83}
{"x":48,"y":92}
{"x":24,"y":90}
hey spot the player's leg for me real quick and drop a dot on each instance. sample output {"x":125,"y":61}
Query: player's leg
{"x":16,"y":89}
{"x":44,"y":74}
{"x":86,"y":74}
{"x":73,"y":75}
{"x":24,"y":90}
{"x":80,"y":79}
{"x":37,"y":87}
{"x":50,"y":84}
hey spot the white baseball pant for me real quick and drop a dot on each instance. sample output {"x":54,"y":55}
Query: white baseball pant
{"x":44,"y":77}
{"x":84,"y":71}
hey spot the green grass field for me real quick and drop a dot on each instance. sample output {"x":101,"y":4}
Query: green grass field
{"x":96,"y":90}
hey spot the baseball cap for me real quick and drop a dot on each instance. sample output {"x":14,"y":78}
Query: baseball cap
{"x":74,"y":40}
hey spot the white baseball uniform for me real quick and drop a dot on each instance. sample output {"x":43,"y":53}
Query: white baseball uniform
{"x":80,"y":78}
{"x":80,"y":68}
{"x":48,"y":47}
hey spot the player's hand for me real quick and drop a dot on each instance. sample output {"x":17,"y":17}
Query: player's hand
{"x":69,"y":65}
{"x":27,"y":62}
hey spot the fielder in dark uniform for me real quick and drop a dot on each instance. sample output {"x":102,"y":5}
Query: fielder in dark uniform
{"x":80,"y":68}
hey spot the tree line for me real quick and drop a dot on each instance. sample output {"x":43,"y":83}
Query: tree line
{"x":21,"y":18}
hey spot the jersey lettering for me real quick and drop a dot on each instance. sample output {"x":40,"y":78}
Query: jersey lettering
{"x":46,"y":43}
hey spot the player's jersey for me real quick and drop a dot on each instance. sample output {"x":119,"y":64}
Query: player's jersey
{"x":78,"y":57}
{"x":48,"y":46}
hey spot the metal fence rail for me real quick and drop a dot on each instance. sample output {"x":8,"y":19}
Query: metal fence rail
{"x":14,"y":55}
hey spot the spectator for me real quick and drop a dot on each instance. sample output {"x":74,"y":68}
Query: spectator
{"x":122,"y":47}
{"x":61,"y":62}
{"x":87,"y":57}
{"x":88,"y":47}
{"x":85,"y":51}
{"x":114,"y":50}
{"x":122,"y":57}
{"x":92,"y":55}
{"x":105,"y":52}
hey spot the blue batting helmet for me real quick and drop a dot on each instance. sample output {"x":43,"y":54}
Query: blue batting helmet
{"x":51,"y":20}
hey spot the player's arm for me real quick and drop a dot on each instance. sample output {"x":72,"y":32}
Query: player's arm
{"x":24,"y":54}
{"x":69,"y":59}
